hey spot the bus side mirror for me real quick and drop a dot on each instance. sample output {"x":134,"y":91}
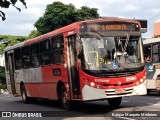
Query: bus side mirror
{"x":143,"y":25}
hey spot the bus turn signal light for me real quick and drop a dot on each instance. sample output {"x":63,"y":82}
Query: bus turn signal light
{"x":141,"y":80}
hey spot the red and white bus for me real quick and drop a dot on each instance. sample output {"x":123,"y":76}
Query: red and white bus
{"x":88,"y":60}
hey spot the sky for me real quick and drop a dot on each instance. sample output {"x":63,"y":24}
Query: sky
{"x":22,"y":23}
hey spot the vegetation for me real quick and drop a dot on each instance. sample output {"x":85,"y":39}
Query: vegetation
{"x":59,"y":15}
{"x":33,"y":34}
{"x":7,"y":4}
{"x":8,"y":40}
{"x":3,"y":86}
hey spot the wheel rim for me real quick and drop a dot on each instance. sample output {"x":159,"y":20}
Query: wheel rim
{"x":64,"y":101}
{"x":23,"y":96}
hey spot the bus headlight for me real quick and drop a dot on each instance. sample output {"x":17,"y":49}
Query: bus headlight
{"x":144,"y":77}
{"x":92,"y":84}
{"x":137,"y":83}
{"x":141,"y":80}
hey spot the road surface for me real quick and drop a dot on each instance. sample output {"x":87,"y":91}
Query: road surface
{"x":141,"y":107}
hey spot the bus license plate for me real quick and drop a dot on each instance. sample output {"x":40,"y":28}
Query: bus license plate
{"x":118,"y":91}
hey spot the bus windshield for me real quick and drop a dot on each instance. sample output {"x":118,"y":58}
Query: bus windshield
{"x":101,"y":53}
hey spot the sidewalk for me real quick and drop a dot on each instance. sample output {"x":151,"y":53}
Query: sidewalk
{"x":3,"y":92}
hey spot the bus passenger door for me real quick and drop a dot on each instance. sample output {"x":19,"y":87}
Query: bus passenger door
{"x":11,"y":70}
{"x":72,"y":66}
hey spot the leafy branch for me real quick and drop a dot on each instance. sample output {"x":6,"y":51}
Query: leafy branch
{"x":7,"y":4}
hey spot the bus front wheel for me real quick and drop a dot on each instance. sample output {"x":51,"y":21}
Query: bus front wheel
{"x":114,"y":102}
{"x":148,"y":91}
{"x":63,"y":98}
{"x":158,"y":91}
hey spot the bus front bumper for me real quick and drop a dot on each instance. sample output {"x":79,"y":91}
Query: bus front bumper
{"x":90,"y":93}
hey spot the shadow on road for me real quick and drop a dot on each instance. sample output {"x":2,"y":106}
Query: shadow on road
{"x":154,"y":93}
{"x":94,"y":108}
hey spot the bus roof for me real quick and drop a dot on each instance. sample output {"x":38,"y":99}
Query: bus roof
{"x":151,"y":41}
{"x":67,"y":28}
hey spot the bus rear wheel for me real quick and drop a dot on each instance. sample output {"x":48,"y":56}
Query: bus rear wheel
{"x":63,"y":98}
{"x":114,"y":102}
{"x":25,"y":98}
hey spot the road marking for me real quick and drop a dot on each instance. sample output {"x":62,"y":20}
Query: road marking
{"x":157,"y":104}
{"x":157,"y":98}
{"x":127,"y":118}
{"x":125,"y":101}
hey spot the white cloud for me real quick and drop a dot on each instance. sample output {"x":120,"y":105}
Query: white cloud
{"x":130,"y":8}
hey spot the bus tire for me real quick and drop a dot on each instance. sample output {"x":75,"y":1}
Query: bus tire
{"x":25,"y":98}
{"x":158,"y":91}
{"x":148,"y":91}
{"x":115,"y":102}
{"x":63,"y":98}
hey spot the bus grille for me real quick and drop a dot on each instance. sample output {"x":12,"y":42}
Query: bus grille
{"x":123,"y":84}
{"x":113,"y":93}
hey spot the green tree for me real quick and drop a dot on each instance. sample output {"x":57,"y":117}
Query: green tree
{"x":33,"y":34}
{"x":86,"y":13}
{"x":58,"y":15}
{"x":11,"y":41}
{"x":7,"y":4}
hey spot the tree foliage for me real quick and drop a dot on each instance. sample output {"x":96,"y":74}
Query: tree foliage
{"x":33,"y":34}
{"x":11,"y":40}
{"x":7,"y":4}
{"x":5,"y":41}
{"x":58,"y":15}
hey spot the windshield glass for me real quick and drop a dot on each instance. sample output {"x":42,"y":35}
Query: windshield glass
{"x":110,"y":52}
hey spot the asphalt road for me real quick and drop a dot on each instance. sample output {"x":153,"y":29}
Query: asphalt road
{"x":141,"y":107}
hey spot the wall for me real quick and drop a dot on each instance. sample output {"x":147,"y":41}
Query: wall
{"x":156,"y":28}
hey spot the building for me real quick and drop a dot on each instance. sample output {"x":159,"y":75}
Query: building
{"x":156,"y":29}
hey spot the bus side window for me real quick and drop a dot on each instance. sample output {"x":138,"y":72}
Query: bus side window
{"x":147,"y":58}
{"x":147,"y":53}
{"x":45,"y":48}
{"x":35,"y":61}
{"x":158,"y":77}
{"x":6,"y":61}
{"x":155,"y":53}
{"x":57,"y":47}
{"x":26,"y":56}
{"x":18,"y":58}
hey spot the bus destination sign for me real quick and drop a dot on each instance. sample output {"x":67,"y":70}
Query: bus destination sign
{"x":112,"y":27}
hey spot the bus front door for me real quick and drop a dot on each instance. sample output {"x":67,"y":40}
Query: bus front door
{"x":72,"y":67}
{"x":11,"y":72}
